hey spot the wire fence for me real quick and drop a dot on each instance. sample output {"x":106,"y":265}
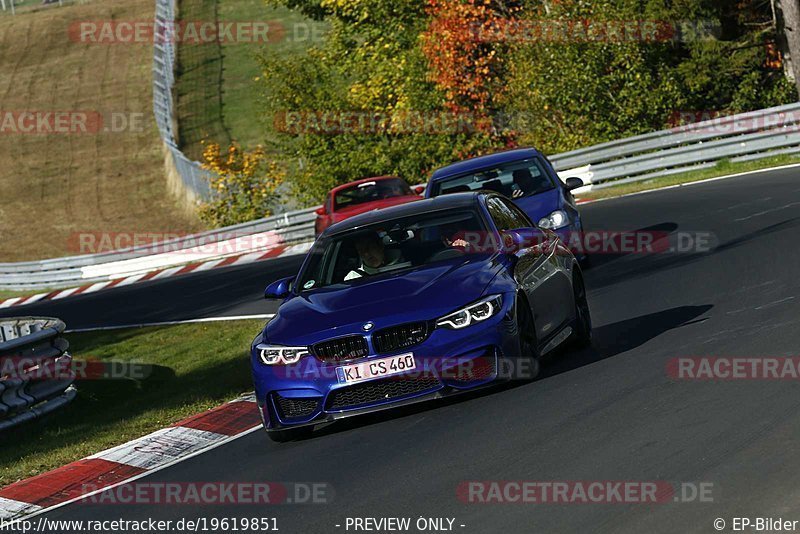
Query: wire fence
{"x":194,"y":179}
{"x":12,"y":6}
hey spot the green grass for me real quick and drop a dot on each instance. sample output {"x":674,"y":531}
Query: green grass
{"x":196,"y":367}
{"x":219,"y":98}
{"x":88,"y":183}
{"x":722,"y":168}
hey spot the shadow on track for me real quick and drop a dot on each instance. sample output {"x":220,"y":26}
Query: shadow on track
{"x":635,"y":266}
{"x":610,"y":340}
{"x":622,"y":336}
{"x":661,"y":230}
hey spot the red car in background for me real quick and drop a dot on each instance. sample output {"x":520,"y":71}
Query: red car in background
{"x":369,"y":194}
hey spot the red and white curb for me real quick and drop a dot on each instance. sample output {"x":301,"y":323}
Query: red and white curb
{"x":129,"y":461}
{"x":241,"y":259}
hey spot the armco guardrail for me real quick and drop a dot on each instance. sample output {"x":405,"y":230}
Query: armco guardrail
{"x":264,"y":234}
{"x":738,"y":138}
{"x":742,"y":137}
{"x":36,"y":369}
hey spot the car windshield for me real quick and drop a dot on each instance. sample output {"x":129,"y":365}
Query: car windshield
{"x":392,"y":246}
{"x":371,"y":191}
{"x":514,"y":180}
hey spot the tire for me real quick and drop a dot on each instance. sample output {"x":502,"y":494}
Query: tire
{"x":290,"y":434}
{"x":583,"y":318}
{"x":527,"y":339}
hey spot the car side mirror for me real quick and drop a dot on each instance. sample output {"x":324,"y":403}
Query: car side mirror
{"x":320,"y":211}
{"x":279,"y":289}
{"x":419,"y":189}
{"x":573,"y":183}
{"x":522,"y":238}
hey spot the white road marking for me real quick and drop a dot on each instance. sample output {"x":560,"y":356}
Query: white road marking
{"x":766,"y":212}
{"x":171,"y":323}
{"x":96,"y":287}
{"x":10,"y":508}
{"x":35,"y":298}
{"x":142,"y":475}
{"x":161,"y":447}
{"x":775,"y":303}
{"x":65,"y":293}
{"x":10,"y":302}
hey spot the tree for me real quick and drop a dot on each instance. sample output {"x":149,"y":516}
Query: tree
{"x":372,"y":64}
{"x":524,"y":72}
{"x":244,"y":188}
{"x":788,"y":21}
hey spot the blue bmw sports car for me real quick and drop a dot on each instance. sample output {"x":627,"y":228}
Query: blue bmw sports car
{"x":411,"y":303}
{"x":527,"y":177}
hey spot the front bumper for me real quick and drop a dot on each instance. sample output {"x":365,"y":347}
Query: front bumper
{"x":448,"y":362}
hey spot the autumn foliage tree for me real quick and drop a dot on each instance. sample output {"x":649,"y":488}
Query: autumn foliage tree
{"x":465,"y":65}
{"x":557,"y":89}
{"x":244,"y":186}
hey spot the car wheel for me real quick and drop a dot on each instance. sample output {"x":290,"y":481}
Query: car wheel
{"x":290,"y":434}
{"x":583,"y":318}
{"x":527,"y":340}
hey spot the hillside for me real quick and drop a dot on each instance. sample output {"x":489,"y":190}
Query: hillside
{"x":54,"y":186}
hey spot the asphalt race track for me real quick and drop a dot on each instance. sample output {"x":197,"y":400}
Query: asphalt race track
{"x":609,"y":413}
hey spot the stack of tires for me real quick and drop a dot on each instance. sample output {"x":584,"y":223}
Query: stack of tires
{"x":36,"y":373}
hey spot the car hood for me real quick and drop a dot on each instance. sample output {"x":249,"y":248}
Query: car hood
{"x":351,"y":211}
{"x":421,"y":294}
{"x":541,"y":205}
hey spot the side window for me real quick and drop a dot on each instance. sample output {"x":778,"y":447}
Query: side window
{"x":501,"y":214}
{"x":520,"y":220}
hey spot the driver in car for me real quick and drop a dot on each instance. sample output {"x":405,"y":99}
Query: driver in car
{"x":453,"y":237}
{"x":372,"y":253}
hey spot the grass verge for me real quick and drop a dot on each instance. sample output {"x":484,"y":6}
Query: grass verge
{"x":55,"y":186}
{"x":218,"y":97}
{"x":196,"y":367}
{"x":722,"y":168}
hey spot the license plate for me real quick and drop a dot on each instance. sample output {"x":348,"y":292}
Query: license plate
{"x":359,"y":372}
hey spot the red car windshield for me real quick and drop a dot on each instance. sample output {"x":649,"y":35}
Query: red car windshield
{"x":370,"y":192}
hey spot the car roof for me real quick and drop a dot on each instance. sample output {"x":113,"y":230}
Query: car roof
{"x":348,"y":185}
{"x":454,"y":200}
{"x":483,"y":162}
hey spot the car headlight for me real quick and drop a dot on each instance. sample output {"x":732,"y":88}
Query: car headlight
{"x":555,"y":220}
{"x":280,"y":355}
{"x":474,"y":313}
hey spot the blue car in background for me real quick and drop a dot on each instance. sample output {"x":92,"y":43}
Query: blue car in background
{"x":415,"y":302}
{"x":525,"y":176}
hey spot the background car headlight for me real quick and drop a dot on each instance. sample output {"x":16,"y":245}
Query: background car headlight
{"x":557,"y":219}
{"x":280,"y":355}
{"x":474,"y":313}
